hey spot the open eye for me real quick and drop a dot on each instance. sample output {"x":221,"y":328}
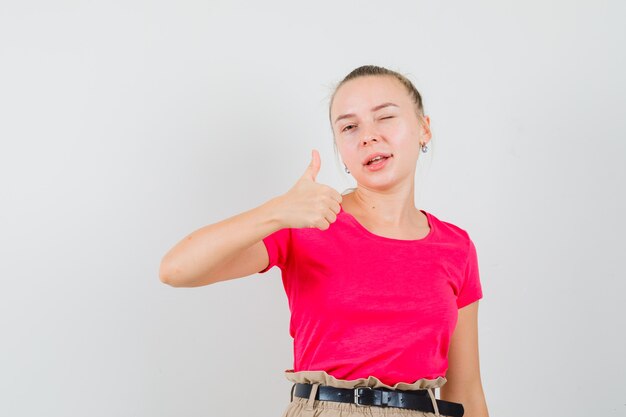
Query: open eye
{"x":344,"y":129}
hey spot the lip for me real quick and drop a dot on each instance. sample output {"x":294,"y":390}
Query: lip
{"x":378,"y":166}
{"x":374,"y":155}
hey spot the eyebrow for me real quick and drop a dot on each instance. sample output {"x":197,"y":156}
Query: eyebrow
{"x":380,"y":106}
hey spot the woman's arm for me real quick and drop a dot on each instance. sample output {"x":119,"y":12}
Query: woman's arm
{"x":234,"y":248}
{"x":222,"y":250}
{"x":463,"y":383}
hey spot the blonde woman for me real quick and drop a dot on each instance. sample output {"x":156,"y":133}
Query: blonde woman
{"x":383,"y":296}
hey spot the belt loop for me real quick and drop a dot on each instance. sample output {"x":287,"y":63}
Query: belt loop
{"x":292,"y":389}
{"x":308,"y":410}
{"x":434,"y":400}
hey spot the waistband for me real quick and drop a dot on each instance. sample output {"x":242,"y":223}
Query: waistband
{"x":320,"y":377}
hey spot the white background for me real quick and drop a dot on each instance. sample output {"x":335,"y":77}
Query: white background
{"x":125,"y":125}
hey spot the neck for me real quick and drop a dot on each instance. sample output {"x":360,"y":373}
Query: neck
{"x":392,"y":209}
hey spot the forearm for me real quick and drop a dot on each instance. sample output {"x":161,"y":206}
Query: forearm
{"x":193,"y":258}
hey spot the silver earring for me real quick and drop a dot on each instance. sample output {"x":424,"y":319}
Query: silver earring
{"x":424,"y":148}
{"x":346,"y":168}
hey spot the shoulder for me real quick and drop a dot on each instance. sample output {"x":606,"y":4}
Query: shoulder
{"x":450,"y":230}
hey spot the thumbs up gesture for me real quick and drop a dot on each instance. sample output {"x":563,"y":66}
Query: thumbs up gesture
{"x":308,"y":203}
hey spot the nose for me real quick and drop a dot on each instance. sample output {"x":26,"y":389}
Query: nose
{"x":368,"y":137}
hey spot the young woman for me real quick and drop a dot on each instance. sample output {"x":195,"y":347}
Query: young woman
{"x":383,"y":296}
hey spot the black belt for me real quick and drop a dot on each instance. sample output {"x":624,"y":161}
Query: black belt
{"x":382,"y":397}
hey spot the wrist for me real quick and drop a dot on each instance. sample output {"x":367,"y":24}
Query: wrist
{"x":273,"y":212}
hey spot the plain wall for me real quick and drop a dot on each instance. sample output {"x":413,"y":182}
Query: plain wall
{"x":124,"y":126}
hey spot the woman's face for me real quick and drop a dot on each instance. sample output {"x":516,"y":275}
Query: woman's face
{"x":369,"y":128}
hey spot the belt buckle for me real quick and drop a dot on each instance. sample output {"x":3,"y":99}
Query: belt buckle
{"x":356,"y":395}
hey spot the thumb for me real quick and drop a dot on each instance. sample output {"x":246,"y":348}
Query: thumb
{"x":314,"y":166}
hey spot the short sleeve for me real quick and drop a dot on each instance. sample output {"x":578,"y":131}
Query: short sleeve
{"x":471,"y":288}
{"x":277,"y":245}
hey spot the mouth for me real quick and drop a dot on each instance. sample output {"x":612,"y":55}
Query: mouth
{"x":378,"y":165}
{"x":378,"y":160}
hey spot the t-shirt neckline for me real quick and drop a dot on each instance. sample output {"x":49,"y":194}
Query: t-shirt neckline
{"x":390,"y":239}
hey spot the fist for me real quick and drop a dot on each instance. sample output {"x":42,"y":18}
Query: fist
{"x":308,"y":203}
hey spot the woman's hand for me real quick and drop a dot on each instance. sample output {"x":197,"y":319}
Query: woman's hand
{"x":307,"y":203}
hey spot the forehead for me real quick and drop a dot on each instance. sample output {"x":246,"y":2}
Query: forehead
{"x":362,"y":93}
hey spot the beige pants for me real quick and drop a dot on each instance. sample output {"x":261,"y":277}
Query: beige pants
{"x":310,"y":407}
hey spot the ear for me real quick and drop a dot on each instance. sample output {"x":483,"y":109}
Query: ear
{"x":425,"y":128}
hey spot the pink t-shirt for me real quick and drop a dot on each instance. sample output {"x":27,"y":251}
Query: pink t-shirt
{"x":366,"y":305}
